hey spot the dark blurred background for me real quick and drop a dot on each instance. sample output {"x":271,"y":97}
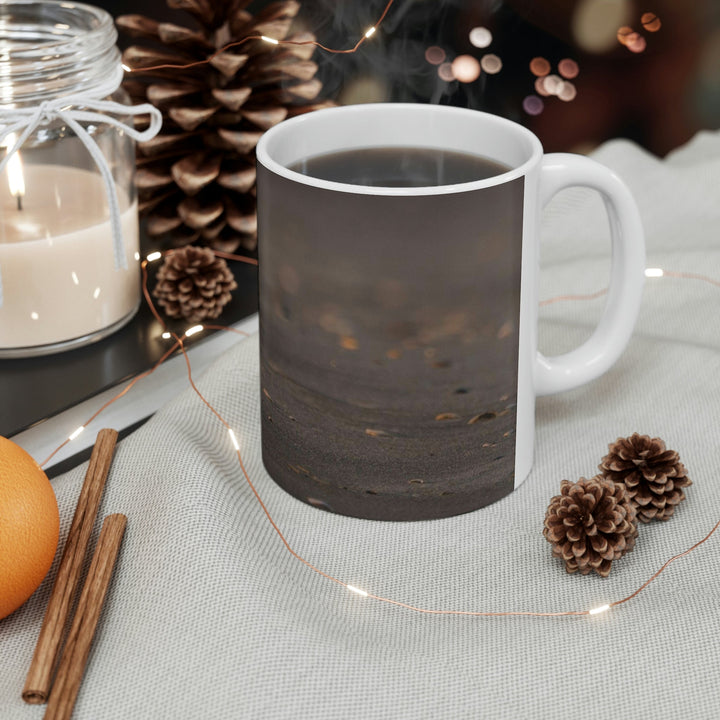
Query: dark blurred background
{"x":648,"y":71}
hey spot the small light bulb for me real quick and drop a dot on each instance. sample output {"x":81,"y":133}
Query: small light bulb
{"x":598,"y":610}
{"x":125,"y":67}
{"x":359,"y":591}
{"x":370,"y":32}
{"x":166,"y":335}
{"x":194,"y":330}
{"x":154,"y":256}
{"x":235,"y":443}
{"x":270,"y":40}
{"x":75,"y":433}
{"x":654,"y":272}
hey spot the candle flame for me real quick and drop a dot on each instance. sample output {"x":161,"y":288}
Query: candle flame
{"x":16,"y":177}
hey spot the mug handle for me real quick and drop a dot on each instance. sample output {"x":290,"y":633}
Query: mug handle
{"x":627,"y":273}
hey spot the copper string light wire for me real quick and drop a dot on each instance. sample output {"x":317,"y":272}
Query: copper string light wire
{"x":683,"y":276}
{"x":127,"y":389}
{"x":564,"y":298}
{"x":170,"y":66}
{"x":650,"y":272}
{"x":239,"y":258}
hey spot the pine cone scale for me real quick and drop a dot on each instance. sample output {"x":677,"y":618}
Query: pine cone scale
{"x":162,"y":94}
{"x":158,"y":225}
{"x":189,"y":118}
{"x":241,"y":180}
{"x":197,"y":215}
{"x":267,"y":117}
{"x":196,"y":171}
{"x":232,"y":98}
{"x":150,"y":149}
{"x":228,"y":63}
{"x":138,"y":26}
{"x":146,"y":179}
{"x":175,"y":34}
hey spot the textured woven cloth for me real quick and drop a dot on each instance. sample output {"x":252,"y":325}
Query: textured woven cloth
{"x":209,"y":616}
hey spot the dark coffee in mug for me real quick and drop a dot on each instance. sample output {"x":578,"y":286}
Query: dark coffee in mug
{"x":399,"y":167}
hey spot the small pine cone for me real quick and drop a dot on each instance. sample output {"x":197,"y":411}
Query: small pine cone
{"x":654,"y":476}
{"x":194,"y":284}
{"x":590,"y":524}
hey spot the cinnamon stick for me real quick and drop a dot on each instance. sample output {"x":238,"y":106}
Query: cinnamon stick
{"x":39,"y":677}
{"x":77,"y":647}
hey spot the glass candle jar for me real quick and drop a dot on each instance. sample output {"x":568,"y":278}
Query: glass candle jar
{"x":69,"y":252}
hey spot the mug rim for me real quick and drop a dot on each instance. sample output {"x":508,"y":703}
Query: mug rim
{"x":265,"y":158}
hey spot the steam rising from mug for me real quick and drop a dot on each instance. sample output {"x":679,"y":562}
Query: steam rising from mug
{"x":392,"y":66}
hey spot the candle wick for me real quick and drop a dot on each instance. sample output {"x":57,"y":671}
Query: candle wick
{"x":19,"y":201}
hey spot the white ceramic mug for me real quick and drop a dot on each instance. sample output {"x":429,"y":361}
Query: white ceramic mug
{"x":399,"y":361}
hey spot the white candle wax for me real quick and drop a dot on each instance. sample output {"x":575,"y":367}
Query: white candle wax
{"x":56,"y":259}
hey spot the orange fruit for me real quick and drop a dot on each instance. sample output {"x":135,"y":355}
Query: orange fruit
{"x":29,"y":526}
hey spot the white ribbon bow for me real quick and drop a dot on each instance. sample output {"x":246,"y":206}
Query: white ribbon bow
{"x":26,"y":120}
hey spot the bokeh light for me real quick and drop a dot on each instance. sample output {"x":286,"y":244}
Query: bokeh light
{"x":637,"y":44}
{"x":465,"y":68}
{"x":568,"y":69}
{"x":435,"y":55}
{"x":552,"y":84}
{"x":533,"y":105}
{"x":445,"y":72}
{"x":632,"y":38}
{"x":594,"y":23}
{"x":491,"y":64}
{"x":539,"y":66}
{"x":480,"y":37}
{"x":624,"y":33}
{"x":651,"y":22}
{"x":567,"y":92}
{"x":540,"y":87}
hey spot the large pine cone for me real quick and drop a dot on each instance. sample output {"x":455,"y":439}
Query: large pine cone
{"x":196,"y":179}
{"x":590,"y":524}
{"x":194,"y":284}
{"x":654,"y":476}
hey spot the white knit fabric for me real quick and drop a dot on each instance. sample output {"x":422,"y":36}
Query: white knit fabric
{"x":209,"y":616}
